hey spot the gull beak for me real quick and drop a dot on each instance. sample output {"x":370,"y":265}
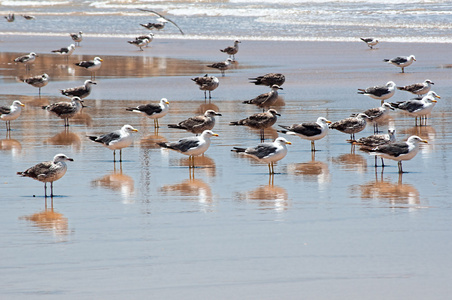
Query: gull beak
{"x":167,"y":102}
{"x":437,"y":96}
{"x":135,"y":130}
{"x":218,"y":114}
{"x":101,"y":59}
{"x":435,"y":101}
{"x":288,"y":143}
{"x":215,"y":134}
{"x":22,"y":104}
{"x":278,"y":115}
{"x":70,"y":159}
{"x":424,"y":141}
{"x":329,"y":122}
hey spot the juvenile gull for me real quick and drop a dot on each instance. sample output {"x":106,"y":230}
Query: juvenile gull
{"x":380,"y":92}
{"x":269,"y":79}
{"x":198,"y":124}
{"x":162,"y":19}
{"x":48,"y":171}
{"x":26,"y":59}
{"x":351,"y":125}
{"x":232,"y":50}
{"x":266,"y":100}
{"x":116,"y":140}
{"x":378,"y":114}
{"x":207,"y":83}
{"x":399,"y":151}
{"x":401,"y":61}
{"x":65,"y":110}
{"x":418,"y":108}
{"x":152,"y":111}
{"x":259,"y":121}
{"x":191,"y":146}
{"x":65,"y":51}
{"x":9,"y":113}
{"x":91,"y":65}
{"x":38,"y":81}
{"x":79,"y":91}
{"x":418,"y":89}
{"x":76,"y":37}
{"x":371,"y":42}
{"x":309,"y":131}
{"x":222,"y":66}
{"x":370,"y":142}
{"x":267,"y":152}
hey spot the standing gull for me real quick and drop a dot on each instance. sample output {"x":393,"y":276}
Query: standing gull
{"x":259,"y":121}
{"x":38,"y":81}
{"x":269,"y":79}
{"x":191,"y":146}
{"x":140,"y":43}
{"x":380,"y":92}
{"x":162,"y":19}
{"x":370,"y":142}
{"x":222,"y":66}
{"x":399,"y":151}
{"x":207,"y":83}
{"x":371,"y":42}
{"x":65,"y":110}
{"x":351,"y":125}
{"x":80,"y":91}
{"x":76,"y":37}
{"x":309,"y":131}
{"x":267,"y":152}
{"x":418,"y":108}
{"x":148,"y":38}
{"x":418,"y":89}
{"x":48,"y":171}
{"x":232,"y":50}
{"x":26,"y":59}
{"x":198,"y":124}
{"x":9,"y":113}
{"x":91,"y":65}
{"x":65,"y":51}
{"x":116,"y":140}
{"x":378,"y":114}
{"x":266,"y":100}
{"x":401,"y":61}
{"x":152,"y":111}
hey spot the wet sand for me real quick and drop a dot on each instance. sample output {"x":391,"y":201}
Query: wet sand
{"x":328,"y":226}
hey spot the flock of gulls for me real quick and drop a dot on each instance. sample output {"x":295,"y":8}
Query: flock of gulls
{"x":382,"y":145}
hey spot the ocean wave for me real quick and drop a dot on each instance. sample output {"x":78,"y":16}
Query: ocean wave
{"x":23,"y":3}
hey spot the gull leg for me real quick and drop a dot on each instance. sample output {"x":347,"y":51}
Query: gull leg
{"x":51,"y":189}
{"x":400,"y":167}
{"x":120,"y":155}
{"x":45,"y":189}
{"x":312,"y":146}
{"x":382,"y":163}
{"x":114,"y":155}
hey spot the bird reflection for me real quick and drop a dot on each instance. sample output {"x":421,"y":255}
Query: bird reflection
{"x":351,"y":162}
{"x":194,"y":189}
{"x":311,"y":171}
{"x":82,"y":118}
{"x":9,"y":144}
{"x":424,"y":132}
{"x":206,"y":106}
{"x":65,"y":138}
{"x":267,"y":197}
{"x":150,"y":141}
{"x":117,"y":181}
{"x":202,"y":162}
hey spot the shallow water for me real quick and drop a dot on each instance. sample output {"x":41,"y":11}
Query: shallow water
{"x":146,"y":227}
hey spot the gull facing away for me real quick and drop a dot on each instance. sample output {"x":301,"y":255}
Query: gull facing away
{"x":82,"y":91}
{"x":76,"y":37}
{"x":267,"y":152}
{"x":399,"y":151}
{"x":65,"y":51}
{"x":259,"y":121}
{"x":10,"y":17}
{"x":48,"y":171}
{"x":380,"y":92}
{"x":232,"y":50}
{"x":370,"y":142}
{"x":198,"y":124}
{"x":10,"y":113}
{"x":91,"y":65}
{"x":191,"y":146}
{"x":371,"y":42}
{"x":65,"y":110}
{"x":162,"y":19}
{"x":418,"y":89}
{"x":222,"y":66}
{"x":265,"y":100}
{"x":401,"y":61}
{"x":378,"y":114}
{"x":116,"y":140}
{"x":38,"y":81}
{"x":269,"y":79}
{"x":351,"y":125}
{"x":26,"y":59}
{"x":207,"y":83}
{"x":312,"y":131}
{"x":418,"y":108}
{"x":152,"y":111}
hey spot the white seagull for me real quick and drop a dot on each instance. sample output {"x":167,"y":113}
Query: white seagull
{"x":222,"y":66}
{"x":91,"y":65}
{"x":65,"y":51}
{"x":152,"y":111}
{"x":207,"y":83}
{"x":401,"y":61}
{"x":380,"y":92}
{"x":82,"y":91}
{"x":26,"y":59}
{"x":116,"y":140}
{"x":38,"y":81}
{"x":312,"y":131}
{"x":371,"y":42}
{"x":65,"y":110}
{"x":418,"y":108}
{"x":10,"y":113}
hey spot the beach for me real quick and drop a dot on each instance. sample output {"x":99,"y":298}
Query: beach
{"x":328,"y":225}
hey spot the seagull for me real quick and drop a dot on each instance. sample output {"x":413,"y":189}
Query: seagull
{"x":198,"y":124}
{"x":378,"y":114}
{"x":91,"y":65}
{"x":259,"y":121}
{"x":371,"y":42}
{"x":26,"y":59}
{"x":65,"y":110}
{"x":267,"y":152}
{"x":80,"y":91}
{"x":48,"y":171}
{"x":351,"y":125}
{"x":207,"y":83}
{"x":418,"y":108}
{"x":269,"y":79}
{"x":148,"y":38}
{"x":232,"y":50}
{"x":191,"y":146}
{"x":418,"y":89}
{"x":38,"y":81}
{"x":66,"y":51}
{"x":309,"y":131}
{"x":28,"y":17}
{"x":10,"y":18}
{"x":369,"y":142}
{"x":139,"y":43}
{"x":9,"y":113}
{"x":401,"y":61}
{"x":116,"y":140}
{"x":380,"y":92}
{"x":161,"y":19}
{"x":266,"y":100}
{"x":152,"y":111}
{"x":76,"y":37}
{"x":399,"y":151}
{"x":222,"y":66}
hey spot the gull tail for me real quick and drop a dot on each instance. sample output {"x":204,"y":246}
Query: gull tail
{"x":238,"y":149}
{"x":175,"y":126}
{"x":361,"y":91}
{"x":386,"y":60}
